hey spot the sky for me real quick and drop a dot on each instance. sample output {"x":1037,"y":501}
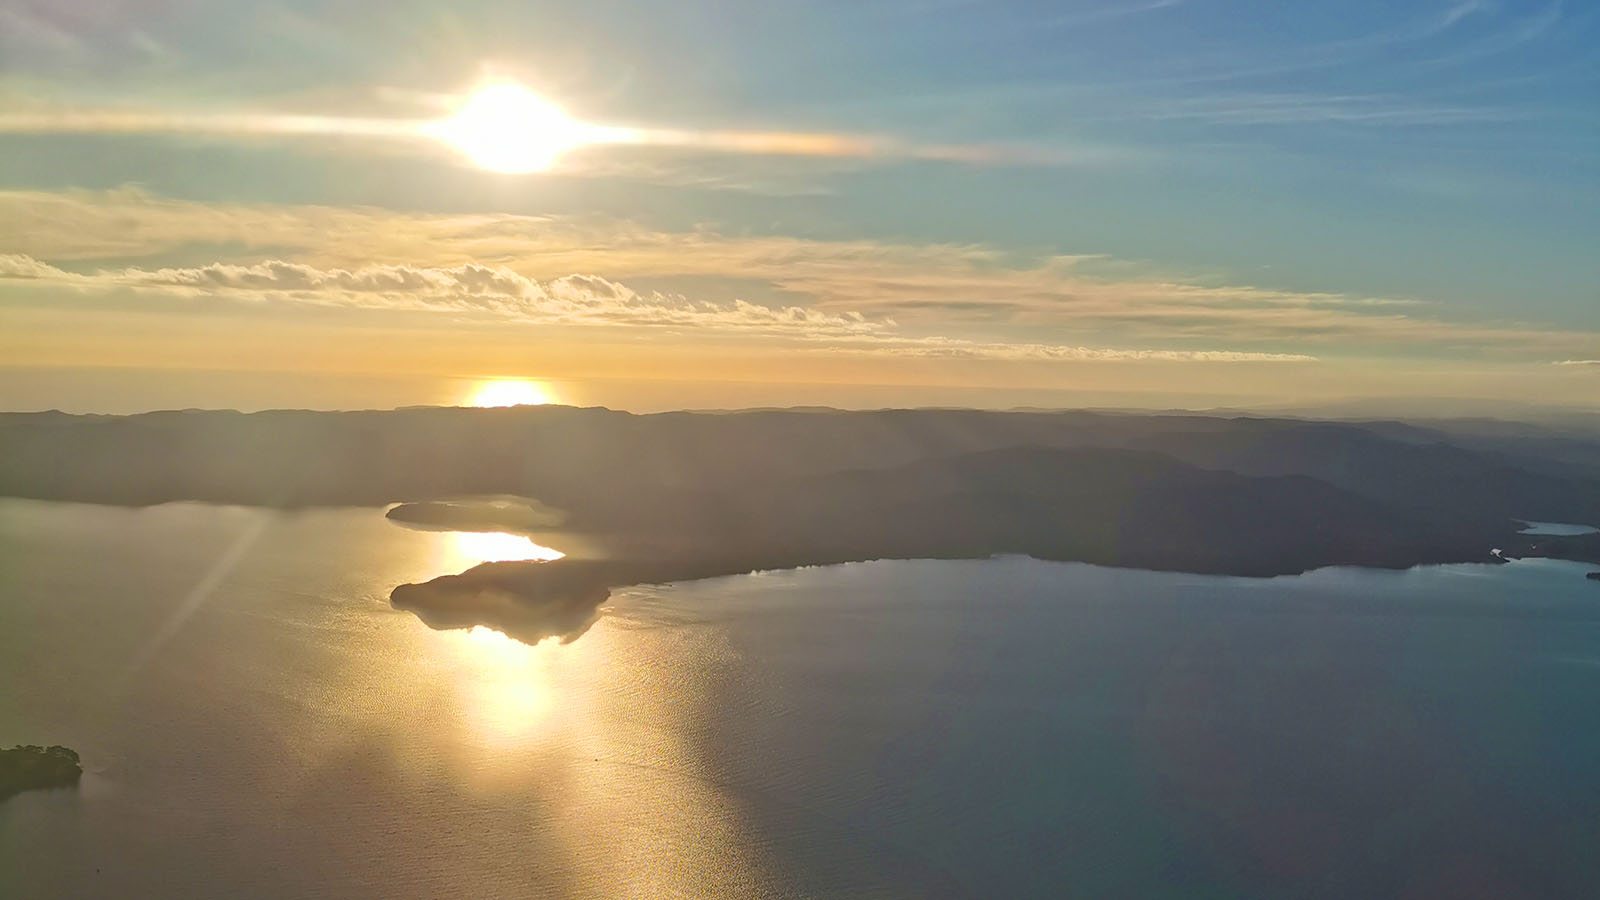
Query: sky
{"x":877,"y":202}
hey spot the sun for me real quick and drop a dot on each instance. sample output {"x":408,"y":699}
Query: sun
{"x":504,"y":127}
{"x":509,"y":392}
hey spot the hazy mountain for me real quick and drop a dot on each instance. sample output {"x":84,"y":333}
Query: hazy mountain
{"x":580,"y":458}
{"x":680,"y":496}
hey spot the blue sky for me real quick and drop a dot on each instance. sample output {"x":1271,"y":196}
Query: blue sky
{"x":1405,"y":184}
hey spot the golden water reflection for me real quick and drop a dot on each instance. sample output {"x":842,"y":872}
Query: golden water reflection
{"x":504,"y":684}
{"x":468,"y":548}
{"x":596,"y":739}
{"x":588,"y":756}
{"x":507,"y":691}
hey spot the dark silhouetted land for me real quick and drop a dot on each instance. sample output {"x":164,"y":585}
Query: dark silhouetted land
{"x":30,"y":767}
{"x":1578,"y":547}
{"x":478,"y":514}
{"x":679,"y":496}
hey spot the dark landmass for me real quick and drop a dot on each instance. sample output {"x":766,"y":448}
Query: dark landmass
{"x":486,"y":514}
{"x":677,"y":496}
{"x":30,"y":768}
{"x":1576,"y":547}
{"x":528,"y":601}
{"x":1109,"y":507}
{"x":574,"y":458}
{"x":1593,"y":576}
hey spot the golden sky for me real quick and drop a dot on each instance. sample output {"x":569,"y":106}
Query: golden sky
{"x":441,"y":210}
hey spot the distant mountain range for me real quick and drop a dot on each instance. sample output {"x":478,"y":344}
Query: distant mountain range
{"x":686,"y":495}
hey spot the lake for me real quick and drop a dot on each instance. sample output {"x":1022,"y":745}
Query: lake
{"x":256,"y":721}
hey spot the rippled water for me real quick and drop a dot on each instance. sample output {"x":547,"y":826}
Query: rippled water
{"x":258,"y":722}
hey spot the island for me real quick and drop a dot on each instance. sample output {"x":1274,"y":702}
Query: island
{"x":1593,"y":576}
{"x":500,"y":513}
{"x":30,"y":767}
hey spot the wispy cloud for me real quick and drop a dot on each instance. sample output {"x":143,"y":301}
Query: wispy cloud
{"x":465,"y":289}
{"x":1299,"y":109}
{"x":1460,"y":11}
{"x":426,"y":136}
{"x":50,"y":34}
{"x":112,"y":121}
{"x":1109,"y":12}
{"x":368,"y":257}
{"x":1513,"y":35}
{"x":958,"y":348}
{"x":574,"y":300}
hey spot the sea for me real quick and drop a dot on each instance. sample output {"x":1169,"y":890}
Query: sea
{"x":256,"y":721}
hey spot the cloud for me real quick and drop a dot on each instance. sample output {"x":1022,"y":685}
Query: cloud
{"x":74,"y":36}
{"x":16,"y":266}
{"x":1578,"y":362}
{"x":103,"y":121}
{"x":373,"y":257}
{"x":956,"y":348}
{"x":1460,"y":11}
{"x":1108,"y":13}
{"x":1510,"y":37}
{"x":427,"y":136}
{"x":467,"y":289}
{"x":1266,"y":108}
{"x":584,"y":300}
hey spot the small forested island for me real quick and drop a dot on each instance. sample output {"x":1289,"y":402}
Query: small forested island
{"x":30,"y":767}
{"x":478,"y":514}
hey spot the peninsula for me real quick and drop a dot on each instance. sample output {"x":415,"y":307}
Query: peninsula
{"x":1111,"y":507}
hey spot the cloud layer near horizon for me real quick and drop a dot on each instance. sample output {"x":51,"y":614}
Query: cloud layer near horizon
{"x":938,"y":300}
{"x":475,"y":290}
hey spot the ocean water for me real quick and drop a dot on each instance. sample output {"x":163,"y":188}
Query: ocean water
{"x":257,"y":722}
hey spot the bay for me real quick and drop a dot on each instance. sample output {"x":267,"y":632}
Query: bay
{"x":257,"y":721}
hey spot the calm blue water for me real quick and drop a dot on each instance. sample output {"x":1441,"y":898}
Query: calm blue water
{"x":257,"y":722}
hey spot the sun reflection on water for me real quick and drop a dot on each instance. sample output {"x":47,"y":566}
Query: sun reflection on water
{"x":591,"y":744}
{"x":473,"y":547}
{"x":509,"y":691}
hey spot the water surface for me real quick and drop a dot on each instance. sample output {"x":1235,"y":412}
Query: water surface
{"x":258,"y":722}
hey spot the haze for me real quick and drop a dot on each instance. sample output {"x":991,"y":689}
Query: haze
{"x":799,"y":449}
{"x":1086,"y":204}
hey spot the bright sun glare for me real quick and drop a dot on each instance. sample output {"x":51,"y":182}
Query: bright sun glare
{"x":504,"y":127}
{"x":509,"y":392}
{"x":498,"y":546}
